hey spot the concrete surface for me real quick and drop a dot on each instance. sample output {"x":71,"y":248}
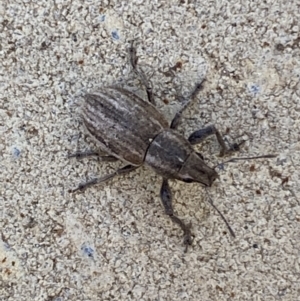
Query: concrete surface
{"x":113,"y":241}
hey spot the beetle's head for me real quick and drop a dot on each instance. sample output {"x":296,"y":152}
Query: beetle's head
{"x":195,"y":169}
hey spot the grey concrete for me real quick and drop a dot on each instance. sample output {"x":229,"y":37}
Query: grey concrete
{"x":113,"y":241}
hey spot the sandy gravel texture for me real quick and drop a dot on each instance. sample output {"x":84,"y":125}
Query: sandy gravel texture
{"x":113,"y":241}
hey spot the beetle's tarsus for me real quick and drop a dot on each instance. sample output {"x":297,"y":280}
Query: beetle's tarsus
{"x":187,"y":235}
{"x":166,"y":197}
{"x":200,"y":135}
{"x":235,"y":147}
{"x":83,"y":186}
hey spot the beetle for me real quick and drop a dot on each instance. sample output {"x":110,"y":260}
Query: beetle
{"x":131,"y":129}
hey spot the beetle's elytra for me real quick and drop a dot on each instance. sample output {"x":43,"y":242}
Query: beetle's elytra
{"x":132,"y":130}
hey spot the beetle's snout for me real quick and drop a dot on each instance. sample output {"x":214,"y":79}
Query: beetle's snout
{"x":195,"y":170}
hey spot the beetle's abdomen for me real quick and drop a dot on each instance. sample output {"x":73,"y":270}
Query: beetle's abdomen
{"x":122,"y":123}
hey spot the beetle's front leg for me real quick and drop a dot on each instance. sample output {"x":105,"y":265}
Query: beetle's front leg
{"x":200,"y":135}
{"x":133,"y":61}
{"x":166,"y":197}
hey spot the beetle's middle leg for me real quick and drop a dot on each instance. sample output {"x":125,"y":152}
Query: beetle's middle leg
{"x":124,"y":170}
{"x":166,"y":197}
{"x":141,"y":74}
{"x":104,"y":158}
{"x":187,"y":102}
{"x":200,"y":135}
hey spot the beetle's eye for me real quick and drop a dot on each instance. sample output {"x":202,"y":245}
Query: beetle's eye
{"x":187,"y":180}
{"x":200,"y":155}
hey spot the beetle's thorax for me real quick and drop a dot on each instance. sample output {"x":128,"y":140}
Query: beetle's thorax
{"x":172,"y":156}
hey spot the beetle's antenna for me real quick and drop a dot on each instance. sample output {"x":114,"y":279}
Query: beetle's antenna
{"x":220,"y":213}
{"x":244,"y":158}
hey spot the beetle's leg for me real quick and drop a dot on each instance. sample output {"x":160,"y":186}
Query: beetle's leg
{"x":200,"y":135}
{"x":187,"y":102}
{"x":141,"y":74}
{"x":80,"y":155}
{"x":166,"y":197}
{"x":123,"y":170}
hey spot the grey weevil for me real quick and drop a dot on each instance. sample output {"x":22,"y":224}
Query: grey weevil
{"x":130,"y":129}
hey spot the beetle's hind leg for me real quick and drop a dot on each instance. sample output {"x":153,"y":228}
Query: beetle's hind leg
{"x":166,"y":197}
{"x":124,"y":170}
{"x":200,"y":135}
{"x":133,"y":61}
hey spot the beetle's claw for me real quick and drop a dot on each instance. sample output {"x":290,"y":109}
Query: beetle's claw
{"x":80,"y":188}
{"x":235,"y":147}
{"x":187,"y":238}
